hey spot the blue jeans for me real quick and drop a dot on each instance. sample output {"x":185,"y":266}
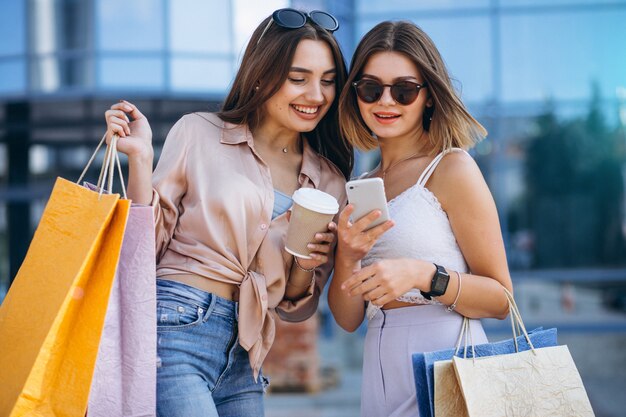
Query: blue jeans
{"x":202,"y":369}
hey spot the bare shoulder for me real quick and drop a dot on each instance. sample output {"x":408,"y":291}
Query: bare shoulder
{"x":457,"y":168}
{"x":458,"y":177}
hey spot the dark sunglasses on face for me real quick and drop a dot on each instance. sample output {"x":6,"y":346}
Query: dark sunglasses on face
{"x":294,"y":19}
{"x":403,"y":92}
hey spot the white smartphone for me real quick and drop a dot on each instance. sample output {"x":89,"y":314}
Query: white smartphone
{"x":366,"y":195}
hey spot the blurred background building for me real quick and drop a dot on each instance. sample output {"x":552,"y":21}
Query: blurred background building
{"x":546,"y":78}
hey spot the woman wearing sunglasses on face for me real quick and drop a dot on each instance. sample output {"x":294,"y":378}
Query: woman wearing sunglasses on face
{"x":220,"y":192}
{"x":411,"y":275}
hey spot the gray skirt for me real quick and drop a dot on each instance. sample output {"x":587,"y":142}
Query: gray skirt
{"x":388,"y":388}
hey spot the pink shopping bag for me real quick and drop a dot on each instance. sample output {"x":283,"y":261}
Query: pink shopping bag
{"x":124,"y":381}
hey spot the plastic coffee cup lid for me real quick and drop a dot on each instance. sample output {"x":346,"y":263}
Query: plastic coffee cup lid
{"x":316,"y":200}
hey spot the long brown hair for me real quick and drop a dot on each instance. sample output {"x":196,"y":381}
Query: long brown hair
{"x":264,"y":69}
{"x":447,"y":121}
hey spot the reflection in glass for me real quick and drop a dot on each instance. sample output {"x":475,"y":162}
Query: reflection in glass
{"x":12,"y":32}
{"x":200,"y":75}
{"x":200,"y":26}
{"x":131,"y":73}
{"x":12,"y":76}
{"x":377,"y":6}
{"x":52,"y":73}
{"x":123,"y":25}
{"x":59,"y":25}
{"x":505,"y":3}
{"x":539,"y":62}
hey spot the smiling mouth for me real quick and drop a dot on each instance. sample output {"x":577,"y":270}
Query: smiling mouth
{"x":306,"y":109}
{"x":387,"y":116}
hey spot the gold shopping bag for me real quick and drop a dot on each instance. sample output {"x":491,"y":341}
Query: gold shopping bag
{"x":52,"y":317}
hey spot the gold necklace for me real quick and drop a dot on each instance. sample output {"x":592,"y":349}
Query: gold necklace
{"x":412,"y":156}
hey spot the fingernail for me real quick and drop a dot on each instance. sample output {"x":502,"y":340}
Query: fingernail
{"x":318,"y":236}
{"x":310,"y":246}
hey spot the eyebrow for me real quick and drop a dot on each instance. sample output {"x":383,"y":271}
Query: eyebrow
{"x":308,"y":71}
{"x":408,"y":77}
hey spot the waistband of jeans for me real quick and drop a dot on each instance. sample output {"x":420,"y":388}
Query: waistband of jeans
{"x":202,"y":298}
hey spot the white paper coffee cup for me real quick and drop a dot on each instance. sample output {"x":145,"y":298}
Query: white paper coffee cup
{"x":312,"y":211}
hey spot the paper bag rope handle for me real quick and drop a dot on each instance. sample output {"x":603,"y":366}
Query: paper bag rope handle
{"x":517,"y":326}
{"x":111,"y":158}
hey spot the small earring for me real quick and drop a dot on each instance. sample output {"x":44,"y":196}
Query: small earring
{"x":256,"y":88}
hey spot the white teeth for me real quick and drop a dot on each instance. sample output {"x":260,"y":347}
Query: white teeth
{"x":307,"y":110}
{"x":386,"y":116}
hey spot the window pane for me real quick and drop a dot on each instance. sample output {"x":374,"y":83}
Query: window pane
{"x":464,"y":44}
{"x":52,"y":73}
{"x":12,"y":76}
{"x":129,"y":25}
{"x":539,"y":62}
{"x":200,"y":26}
{"x":558,"y":2}
{"x":59,"y":25}
{"x":131,"y":73}
{"x":197,"y":75}
{"x":377,"y":6}
{"x":12,"y":27}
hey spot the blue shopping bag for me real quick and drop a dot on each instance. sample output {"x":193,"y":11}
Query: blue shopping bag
{"x":423,"y":362}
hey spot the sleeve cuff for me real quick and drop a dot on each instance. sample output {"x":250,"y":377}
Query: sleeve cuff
{"x":302,"y":308}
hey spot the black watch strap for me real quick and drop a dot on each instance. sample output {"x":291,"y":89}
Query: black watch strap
{"x":439,"y":283}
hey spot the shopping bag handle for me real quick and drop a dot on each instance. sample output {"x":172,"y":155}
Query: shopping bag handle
{"x":517,"y":326}
{"x":111,"y":158}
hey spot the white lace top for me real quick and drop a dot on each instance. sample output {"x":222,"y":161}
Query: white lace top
{"x":422,"y":231}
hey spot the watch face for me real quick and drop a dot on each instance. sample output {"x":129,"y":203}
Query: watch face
{"x":440,"y":285}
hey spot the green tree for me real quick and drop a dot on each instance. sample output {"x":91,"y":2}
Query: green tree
{"x":575,"y":191}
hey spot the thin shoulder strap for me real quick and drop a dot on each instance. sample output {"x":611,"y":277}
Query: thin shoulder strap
{"x":423,"y":179}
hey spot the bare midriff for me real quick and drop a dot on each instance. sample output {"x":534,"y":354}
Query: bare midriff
{"x":396,"y":304}
{"x":221,"y":289}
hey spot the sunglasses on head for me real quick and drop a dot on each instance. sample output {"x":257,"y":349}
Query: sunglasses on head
{"x":403,"y":92}
{"x":294,"y":19}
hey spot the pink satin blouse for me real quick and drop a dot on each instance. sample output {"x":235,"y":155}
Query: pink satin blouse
{"x":213,"y":199}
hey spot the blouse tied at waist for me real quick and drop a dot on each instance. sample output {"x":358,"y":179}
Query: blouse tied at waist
{"x":256,"y":326}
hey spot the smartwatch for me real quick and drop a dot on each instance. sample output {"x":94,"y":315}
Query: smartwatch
{"x":439,"y":283}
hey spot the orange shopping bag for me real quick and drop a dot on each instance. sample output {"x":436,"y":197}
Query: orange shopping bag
{"x":52,"y":317}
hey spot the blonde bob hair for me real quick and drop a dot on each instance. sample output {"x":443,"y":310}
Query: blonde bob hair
{"x":447,"y":121}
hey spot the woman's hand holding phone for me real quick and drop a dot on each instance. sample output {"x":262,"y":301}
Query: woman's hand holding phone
{"x":368,"y":209}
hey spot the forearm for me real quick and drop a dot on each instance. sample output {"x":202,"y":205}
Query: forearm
{"x":298,"y":282}
{"x":479,"y":296}
{"x":140,"y":179}
{"x":347,"y":310}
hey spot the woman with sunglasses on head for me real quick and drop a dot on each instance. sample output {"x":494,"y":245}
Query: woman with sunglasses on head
{"x":441,"y":256}
{"x":221,"y":191}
